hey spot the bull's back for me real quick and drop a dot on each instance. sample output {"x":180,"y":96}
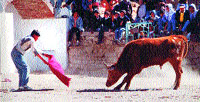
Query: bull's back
{"x":154,"y":51}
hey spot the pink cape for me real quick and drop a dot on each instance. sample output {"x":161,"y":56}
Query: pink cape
{"x":57,"y":69}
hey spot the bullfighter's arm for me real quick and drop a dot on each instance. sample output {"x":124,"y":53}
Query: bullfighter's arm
{"x":40,"y":57}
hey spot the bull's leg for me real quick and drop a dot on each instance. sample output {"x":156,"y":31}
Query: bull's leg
{"x":127,"y":80}
{"x":118,"y":87}
{"x":178,"y":70}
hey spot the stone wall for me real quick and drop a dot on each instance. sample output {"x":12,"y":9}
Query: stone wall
{"x":88,"y":58}
{"x":193,"y":56}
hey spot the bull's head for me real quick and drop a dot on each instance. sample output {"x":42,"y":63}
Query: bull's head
{"x":113,"y":75}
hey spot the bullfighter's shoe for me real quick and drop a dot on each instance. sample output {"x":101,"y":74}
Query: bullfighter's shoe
{"x":27,"y":88}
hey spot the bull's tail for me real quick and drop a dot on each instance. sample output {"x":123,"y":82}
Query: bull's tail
{"x":186,"y":44}
{"x":186,"y":48}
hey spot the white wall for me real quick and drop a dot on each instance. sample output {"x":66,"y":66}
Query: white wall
{"x":53,"y":37}
{"x":6,"y":43}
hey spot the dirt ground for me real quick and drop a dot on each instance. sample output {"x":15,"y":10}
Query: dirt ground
{"x":149,"y":86}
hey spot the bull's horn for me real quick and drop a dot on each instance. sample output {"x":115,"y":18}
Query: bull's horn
{"x":105,"y":64}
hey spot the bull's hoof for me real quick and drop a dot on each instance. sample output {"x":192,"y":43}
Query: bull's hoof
{"x":117,"y":88}
{"x":126,"y":89}
{"x":175,"y":88}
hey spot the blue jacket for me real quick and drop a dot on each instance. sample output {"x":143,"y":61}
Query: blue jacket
{"x":79,"y":23}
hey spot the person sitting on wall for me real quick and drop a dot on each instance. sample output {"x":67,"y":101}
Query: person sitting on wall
{"x":75,"y":26}
{"x":123,"y":19}
{"x":115,"y":22}
{"x":106,"y":25}
{"x":96,"y":21}
{"x":17,"y":55}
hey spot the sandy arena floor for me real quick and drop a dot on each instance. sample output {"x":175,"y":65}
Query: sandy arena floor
{"x":93,"y":89}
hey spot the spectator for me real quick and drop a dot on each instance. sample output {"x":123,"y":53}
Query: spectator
{"x":17,"y":55}
{"x":150,"y":5}
{"x":154,"y":19}
{"x":162,"y":23}
{"x":182,"y":19}
{"x":113,"y":3}
{"x":96,"y":21}
{"x":192,"y":27}
{"x":61,"y":10}
{"x":87,"y":5}
{"x":170,"y":17}
{"x":87,"y":11}
{"x":124,"y":5}
{"x":95,"y":4}
{"x":115,"y":23}
{"x":76,"y":6}
{"x":123,"y":19}
{"x":141,"y":11}
{"x":105,"y":4}
{"x":160,"y":7}
{"x":106,"y":25}
{"x":75,"y":26}
{"x":182,"y":2}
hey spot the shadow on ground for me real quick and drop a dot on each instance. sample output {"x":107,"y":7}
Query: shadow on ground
{"x":16,"y":90}
{"x":106,"y":90}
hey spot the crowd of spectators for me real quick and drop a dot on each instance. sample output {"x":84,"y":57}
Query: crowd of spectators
{"x":166,"y":18}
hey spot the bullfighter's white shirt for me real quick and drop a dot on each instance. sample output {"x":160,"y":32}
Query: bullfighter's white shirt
{"x":25,"y":44}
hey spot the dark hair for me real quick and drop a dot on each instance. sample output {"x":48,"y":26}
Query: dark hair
{"x":35,"y":32}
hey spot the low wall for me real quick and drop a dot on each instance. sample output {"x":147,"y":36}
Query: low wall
{"x":193,"y":56}
{"x":88,"y":58}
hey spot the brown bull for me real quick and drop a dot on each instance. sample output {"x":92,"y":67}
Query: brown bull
{"x":142,"y":53}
